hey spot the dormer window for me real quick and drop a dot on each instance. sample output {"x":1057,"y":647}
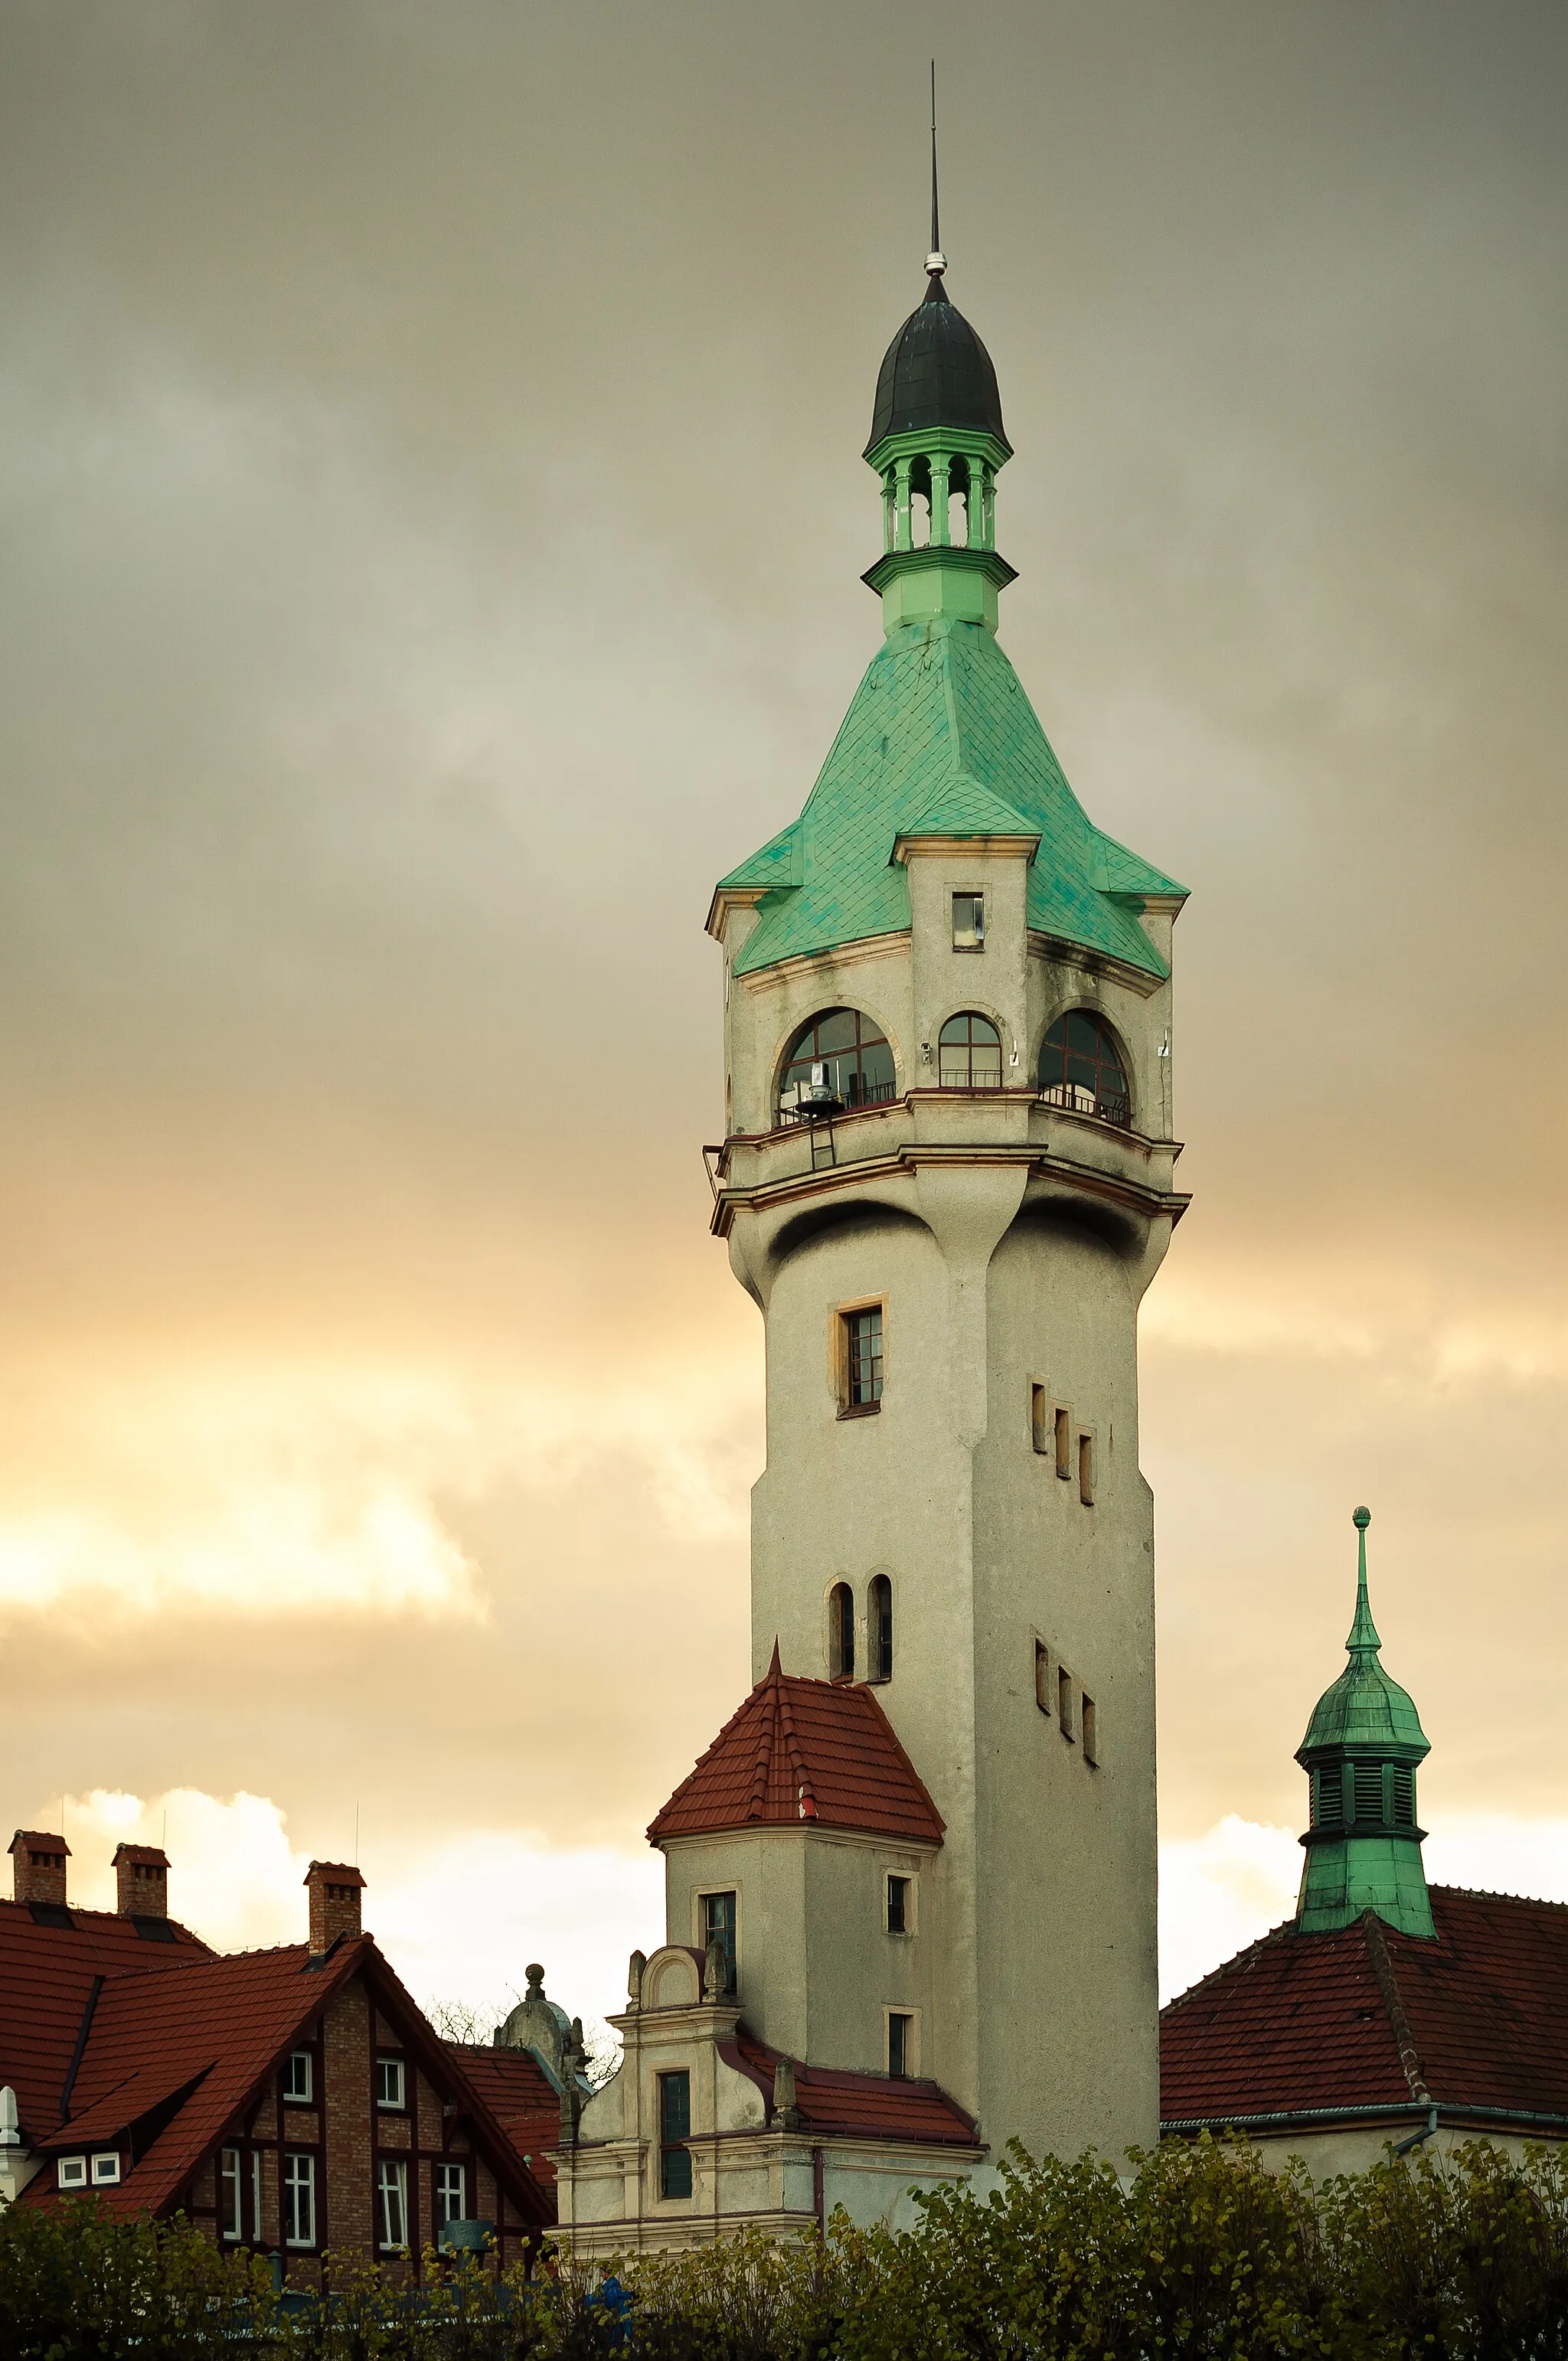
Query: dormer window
{"x":968,"y":922}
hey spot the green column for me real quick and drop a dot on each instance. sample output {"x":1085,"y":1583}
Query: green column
{"x":940,"y":463}
{"x":902,"y":538}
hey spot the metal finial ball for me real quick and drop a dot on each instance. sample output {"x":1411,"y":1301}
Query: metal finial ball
{"x":1363,"y":1518}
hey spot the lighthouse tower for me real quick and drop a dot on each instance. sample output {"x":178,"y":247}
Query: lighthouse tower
{"x":910,"y":1887}
{"x":946,"y":1181}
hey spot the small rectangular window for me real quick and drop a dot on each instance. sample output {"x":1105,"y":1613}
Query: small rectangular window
{"x":299,"y":2081}
{"x":1088,"y":1729}
{"x":862,"y":1357}
{"x":968,"y":922}
{"x":900,"y":2045}
{"x":105,"y":2170}
{"x":230,"y":2188}
{"x":1039,"y":1418}
{"x":1064,"y":1702}
{"x":451,"y":2194}
{"x":898,"y":1905}
{"x":1062,"y":1423}
{"x":299,"y":2200}
{"x":389,"y":2082}
{"x":1042,"y":1676}
{"x":1086,"y":1470}
{"x":392,"y":2203}
{"x":674,"y":2130}
{"x":71,"y":2172}
{"x":718,"y":1916}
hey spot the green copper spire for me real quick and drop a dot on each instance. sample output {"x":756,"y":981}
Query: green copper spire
{"x":1360,"y":1753}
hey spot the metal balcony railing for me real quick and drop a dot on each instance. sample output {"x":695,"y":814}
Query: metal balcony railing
{"x":1079,"y":1099}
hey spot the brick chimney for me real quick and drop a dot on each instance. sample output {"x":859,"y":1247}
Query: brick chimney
{"x":335,"y":1891}
{"x":141,"y":1882}
{"x":39,"y":1866}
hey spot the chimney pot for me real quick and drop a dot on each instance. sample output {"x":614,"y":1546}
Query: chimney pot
{"x":141,"y":1881}
{"x":38,"y":1865}
{"x":335,"y":1890}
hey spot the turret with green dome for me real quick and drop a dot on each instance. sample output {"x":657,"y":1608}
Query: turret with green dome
{"x":1362,"y":1748}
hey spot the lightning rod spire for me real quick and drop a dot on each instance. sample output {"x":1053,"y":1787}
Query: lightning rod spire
{"x":936,"y":262}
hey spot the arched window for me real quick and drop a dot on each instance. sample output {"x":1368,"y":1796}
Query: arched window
{"x":841,"y":1632}
{"x":879,"y":1628}
{"x":838,"y":1060}
{"x":1081,"y":1067}
{"x":968,"y":1054}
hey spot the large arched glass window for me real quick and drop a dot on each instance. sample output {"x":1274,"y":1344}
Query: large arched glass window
{"x":968,"y":1054}
{"x":841,"y":1632}
{"x":879,"y":1628}
{"x":838,"y":1060}
{"x":1081,"y":1067}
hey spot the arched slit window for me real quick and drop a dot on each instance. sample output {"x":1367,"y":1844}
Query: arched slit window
{"x":840,"y":1059}
{"x":1081,"y":1068}
{"x":879,"y":1628}
{"x":841,"y":1632}
{"x":968,"y":1053}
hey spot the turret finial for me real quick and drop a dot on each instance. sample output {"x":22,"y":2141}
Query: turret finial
{"x":936,"y":262}
{"x":1362,"y":1631}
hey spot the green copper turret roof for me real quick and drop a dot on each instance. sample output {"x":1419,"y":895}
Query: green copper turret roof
{"x":1362,"y":1745}
{"x":1365,"y":1707}
{"x":940,"y":738}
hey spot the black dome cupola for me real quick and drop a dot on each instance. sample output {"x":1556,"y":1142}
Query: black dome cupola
{"x":936,"y":373}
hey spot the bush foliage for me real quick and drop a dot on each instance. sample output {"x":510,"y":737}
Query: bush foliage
{"x":1198,"y":2251}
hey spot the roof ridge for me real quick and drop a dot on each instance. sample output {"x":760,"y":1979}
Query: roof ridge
{"x":1495,"y":1893}
{"x":1274,"y":1934}
{"x":1394,"y":2006}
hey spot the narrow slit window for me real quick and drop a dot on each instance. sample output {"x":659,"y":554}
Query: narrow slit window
{"x":1088,"y":1729}
{"x":1086,"y":1470}
{"x":862,"y":1358}
{"x":879,"y":1628}
{"x":1042,"y":1676}
{"x":1039,"y":1418}
{"x":1062,"y":1425}
{"x":900,"y":2045}
{"x":718,"y":1921}
{"x":898,"y":1905}
{"x":1064,"y":1702}
{"x":674,"y":2130}
{"x":841,"y":1632}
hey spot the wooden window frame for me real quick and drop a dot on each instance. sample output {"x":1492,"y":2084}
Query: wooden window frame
{"x":670,"y":2148}
{"x":840,"y":1355}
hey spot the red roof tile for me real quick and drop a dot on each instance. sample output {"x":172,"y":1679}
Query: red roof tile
{"x":800,"y":1749}
{"x":1476,"y":2021}
{"x":850,"y":2106}
{"x":521,"y":2097}
{"x":47,"y":1975}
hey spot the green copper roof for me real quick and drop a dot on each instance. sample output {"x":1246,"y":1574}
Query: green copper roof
{"x":1361,"y":1747}
{"x":939,"y":731}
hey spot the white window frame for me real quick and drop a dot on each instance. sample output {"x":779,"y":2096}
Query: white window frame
{"x":446,"y":2173}
{"x":231,"y":2183}
{"x":70,"y":2172}
{"x":293,"y":2096}
{"x":972,"y":937}
{"x":391,"y":2197}
{"x":106,"y":2169}
{"x":256,"y":2194}
{"x":299,"y":2189}
{"x":391,"y":2075}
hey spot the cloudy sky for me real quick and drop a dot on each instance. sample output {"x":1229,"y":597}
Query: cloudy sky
{"x":432,"y":517}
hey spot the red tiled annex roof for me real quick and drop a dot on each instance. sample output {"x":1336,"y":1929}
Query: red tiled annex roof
{"x":47,"y":1976}
{"x":800,"y":1749}
{"x":521,"y":2096}
{"x":1476,"y":2022}
{"x":868,"y":2106}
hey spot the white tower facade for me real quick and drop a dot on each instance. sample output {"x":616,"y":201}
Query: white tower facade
{"x":946,"y":1181}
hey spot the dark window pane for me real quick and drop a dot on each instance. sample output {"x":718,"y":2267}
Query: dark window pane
{"x":674,"y":2124}
{"x":720,"y":1919}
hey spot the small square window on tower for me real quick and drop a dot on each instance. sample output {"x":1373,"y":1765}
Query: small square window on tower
{"x":968,"y":922}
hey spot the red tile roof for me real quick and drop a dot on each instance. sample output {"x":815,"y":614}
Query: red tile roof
{"x":185,"y":2052}
{"x":800,"y":1749}
{"x":521,"y":2097}
{"x":47,"y":1977}
{"x":850,"y":2106}
{"x":1476,"y":2022}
